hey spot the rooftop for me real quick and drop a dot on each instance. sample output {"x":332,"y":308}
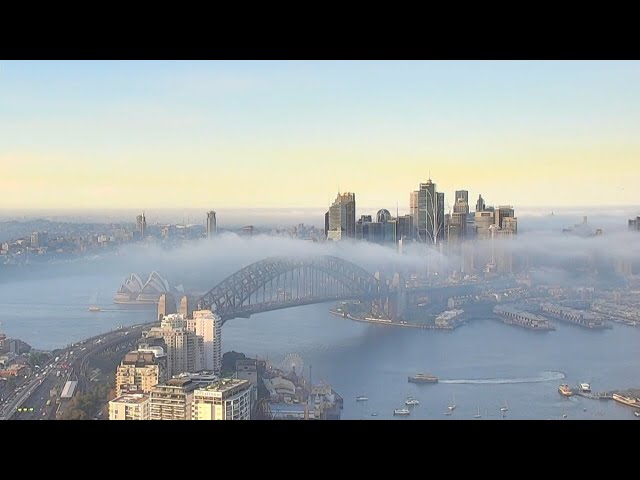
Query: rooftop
{"x":224,"y":385}
{"x":131,"y":398}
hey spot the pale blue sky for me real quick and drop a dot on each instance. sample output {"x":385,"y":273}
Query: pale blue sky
{"x":238,"y":133}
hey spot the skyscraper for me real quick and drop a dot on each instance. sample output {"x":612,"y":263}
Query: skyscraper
{"x":413,"y":211}
{"x":326,"y":224}
{"x":342,"y":217}
{"x":212,"y":228}
{"x":502,"y":212}
{"x":141,"y":225}
{"x":462,"y":196}
{"x":462,"y":202}
{"x":430,"y":214}
{"x":208,"y":325}
{"x":480,"y":206}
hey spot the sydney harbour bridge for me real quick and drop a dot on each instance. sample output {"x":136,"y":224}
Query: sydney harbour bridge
{"x":283,"y":282}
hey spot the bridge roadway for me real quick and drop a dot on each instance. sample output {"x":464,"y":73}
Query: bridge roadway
{"x":37,"y":390}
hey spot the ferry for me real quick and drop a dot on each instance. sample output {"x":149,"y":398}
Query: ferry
{"x":411,"y":401}
{"x":423,"y":378}
{"x":401,"y":411}
{"x":585,"y":388}
{"x":565,"y":390}
{"x":94,"y":308}
{"x":362,"y":398}
{"x":632,"y":402}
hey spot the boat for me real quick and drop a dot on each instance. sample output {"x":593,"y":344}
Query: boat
{"x":564,"y":415}
{"x":362,"y":398}
{"x":505,"y":408}
{"x":477,"y":415}
{"x":452,"y":405}
{"x":401,"y":411}
{"x":448,"y":412}
{"x":632,"y":402}
{"x":374,"y":414}
{"x":637,"y":414}
{"x":94,"y":308}
{"x":423,"y":378}
{"x":565,"y":390}
{"x":412,"y":401}
{"x":585,"y":388}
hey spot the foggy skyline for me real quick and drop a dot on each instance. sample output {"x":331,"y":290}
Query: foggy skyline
{"x":101,"y":134}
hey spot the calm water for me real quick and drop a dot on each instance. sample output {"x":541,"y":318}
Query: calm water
{"x":483,"y":364}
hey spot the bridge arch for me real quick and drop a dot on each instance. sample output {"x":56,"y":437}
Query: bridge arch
{"x":281,"y":282}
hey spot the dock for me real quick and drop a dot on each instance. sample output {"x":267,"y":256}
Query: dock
{"x":593,"y":396}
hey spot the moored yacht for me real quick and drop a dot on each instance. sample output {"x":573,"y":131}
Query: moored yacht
{"x":401,"y":411}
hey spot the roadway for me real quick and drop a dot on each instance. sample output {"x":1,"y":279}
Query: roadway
{"x":72,"y":363}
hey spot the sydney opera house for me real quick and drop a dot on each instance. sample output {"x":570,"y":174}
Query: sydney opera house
{"x":136,"y":292}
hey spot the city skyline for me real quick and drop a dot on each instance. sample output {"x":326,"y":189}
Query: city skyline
{"x":279,"y":134}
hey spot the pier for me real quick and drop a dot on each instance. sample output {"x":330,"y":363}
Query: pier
{"x":593,"y":396}
{"x":390,"y":322}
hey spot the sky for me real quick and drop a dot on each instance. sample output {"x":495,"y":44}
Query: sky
{"x":282,"y":134}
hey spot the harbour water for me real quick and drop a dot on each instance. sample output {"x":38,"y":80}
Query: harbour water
{"x":483,"y":364}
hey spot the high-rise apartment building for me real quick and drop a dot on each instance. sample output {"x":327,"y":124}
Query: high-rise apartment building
{"x":185,"y":349}
{"x":139,"y":372}
{"x":431,"y":228}
{"x":208,"y":325}
{"x":130,"y":407}
{"x":228,"y":399}
{"x":212,"y":228}
{"x":172,"y":400}
{"x":342,"y":217}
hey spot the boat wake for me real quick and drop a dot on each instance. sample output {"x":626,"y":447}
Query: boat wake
{"x":547,"y":376}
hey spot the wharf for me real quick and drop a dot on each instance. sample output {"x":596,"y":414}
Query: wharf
{"x":593,"y":396}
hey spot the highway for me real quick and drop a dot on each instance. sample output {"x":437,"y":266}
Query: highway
{"x":72,"y":363}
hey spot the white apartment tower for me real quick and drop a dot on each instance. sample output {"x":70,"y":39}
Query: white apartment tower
{"x":208,"y":325}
